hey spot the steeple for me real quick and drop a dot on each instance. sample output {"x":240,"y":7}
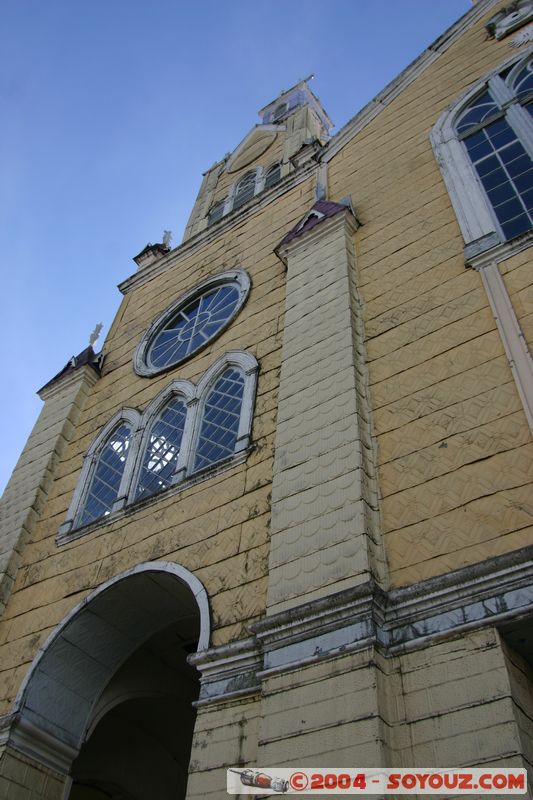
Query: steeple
{"x":288,"y":101}
{"x":293,"y":127}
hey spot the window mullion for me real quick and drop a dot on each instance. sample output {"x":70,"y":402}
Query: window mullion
{"x":183,"y":464}
{"x":499,"y":90}
{"x":522,"y":124}
{"x":130,"y":471}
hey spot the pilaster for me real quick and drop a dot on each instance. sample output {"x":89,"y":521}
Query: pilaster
{"x":325,"y":523}
{"x":26,"y":492}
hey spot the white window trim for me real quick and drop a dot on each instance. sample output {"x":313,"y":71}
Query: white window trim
{"x":249,"y":367}
{"x":132,"y":417}
{"x":140,"y":362}
{"x":475,"y":216}
{"x":512,"y":337}
{"x":178,"y":388}
{"x":195,"y":397}
{"x":259,"y":187}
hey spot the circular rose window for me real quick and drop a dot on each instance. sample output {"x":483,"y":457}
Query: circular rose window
{"x":190,"y":323}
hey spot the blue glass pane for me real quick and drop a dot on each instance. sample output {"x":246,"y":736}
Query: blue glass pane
{"x":505,"y":174}
{"x":509,"y":210}
{"x":495,"y":178}
{"x":512,"y":152}
{"x":193,"y":326}
{"x":527,"y":199}
{"x":220,"y":422}
{"x":524,"y":181}
{"x":499,"y":138}
{"x":516,"y":226}
{"x":105,"y":482}
{"x":519,"y":166}
{"x":478,"y":149}
{"x":501,"y":193}
{"x":488,"y":165}
{"x":162,"y":451}
{"x":479,"y":110}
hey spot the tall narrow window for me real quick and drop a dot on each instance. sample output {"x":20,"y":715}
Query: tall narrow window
{"x":272,"y":175}
{"x":245,"y":190}
{"x":162,"y":449}
{"x":485,"y":149}
{"x":107,"y":476}
{"x":220,"y":421}
{"x":279,"y":111}
{"x":215,"y":212}
{"x":490,"y":129}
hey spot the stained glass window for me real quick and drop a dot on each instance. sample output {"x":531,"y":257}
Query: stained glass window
{"x":193,"y":325}
{"x":107,"y":476}
{"x":162,"y":450}
{"x":220,"y":421}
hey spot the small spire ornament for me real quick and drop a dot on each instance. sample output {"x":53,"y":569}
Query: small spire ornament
{"x":93,"y":338}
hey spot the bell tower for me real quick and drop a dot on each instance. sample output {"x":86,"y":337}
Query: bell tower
{"x":293,"y":127}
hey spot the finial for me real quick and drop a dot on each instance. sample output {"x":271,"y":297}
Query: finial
{"x":167,"y":238}
{"x":95,"y":334}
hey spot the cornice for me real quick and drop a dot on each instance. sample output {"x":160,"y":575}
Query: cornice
{"x":500,"y":252}
{"x":37,"y":744}
{"x":492,"y":592}
{"x":222,"y":227}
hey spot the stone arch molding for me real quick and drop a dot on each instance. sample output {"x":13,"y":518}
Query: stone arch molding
{"x":53,"y":707}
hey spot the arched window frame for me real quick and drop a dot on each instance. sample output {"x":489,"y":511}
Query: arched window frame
{"x":228,"y":203}
{"x":178,"y":388}
{"x":248,"y":365}
{"x":276,"y":166}
{"x":195,"y":397}
{"x":140,"y":356}
{"x":250,"y":178}
{"x":126,"y":415}
{"x":477,"y":220}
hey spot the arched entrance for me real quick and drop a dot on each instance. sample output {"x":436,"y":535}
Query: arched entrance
{"x":112,"y":685}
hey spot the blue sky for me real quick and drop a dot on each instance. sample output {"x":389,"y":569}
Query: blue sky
{"x":112,"y":111}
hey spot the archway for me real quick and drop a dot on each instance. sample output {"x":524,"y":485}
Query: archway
{"x":112,"y":685}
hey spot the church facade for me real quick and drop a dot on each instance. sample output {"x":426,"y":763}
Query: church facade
{"x":285,"y":517}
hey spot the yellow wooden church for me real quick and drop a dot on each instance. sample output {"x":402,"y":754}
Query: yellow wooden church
{"x":285,"y":516}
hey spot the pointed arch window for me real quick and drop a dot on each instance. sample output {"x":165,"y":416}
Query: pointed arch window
{"x":216,"y":211}
{"x":272,"y":175}
{"x":484,"y":145}
{"x":220,"y":420}
{"x":245,"y":190}
{"x":104,"y":485}
{"x":161,"y":451}
{"x":185,"y":430}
